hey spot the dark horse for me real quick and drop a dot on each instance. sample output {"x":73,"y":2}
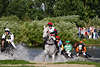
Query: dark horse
{"x":7,"y":48}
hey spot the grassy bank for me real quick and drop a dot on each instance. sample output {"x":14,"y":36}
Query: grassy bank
{"x":89,"y":63}
{"x":92,"y":42}
{"x":7,"y":62}
{"x":14,"y":62}
{"x":78,"y":62}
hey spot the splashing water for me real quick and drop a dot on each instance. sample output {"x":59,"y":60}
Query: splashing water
{"x":28,"y":54}
{"x":21,"y":53}
{"x":33,"y":54}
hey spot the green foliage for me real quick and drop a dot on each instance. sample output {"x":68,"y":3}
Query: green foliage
{"x":1,"y":7}
{"x":65,"y":25}
{"x":33,"y":9}
{"x":30,"y":32}
{"x":9,"y":18}
{"x":17,"y":7}
{"x":35,"y":14}
{"x":25,"y":32}
{"x":95,"y":22}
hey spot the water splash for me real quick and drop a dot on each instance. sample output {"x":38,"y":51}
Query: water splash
{"x":21,"y":53}
{"x":36,"y":55}
{"x":29,"y":54}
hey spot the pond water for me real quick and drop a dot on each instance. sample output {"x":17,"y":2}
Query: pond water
{"x":95,"y":52}
{"x":36,"y":54}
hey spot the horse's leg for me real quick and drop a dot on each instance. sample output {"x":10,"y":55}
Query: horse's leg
{"x":69,"y":53}
{"x":44,"y":56}
{"x":53,"y":57}
{"x":54,"y":52}
{"x":45,"y":52}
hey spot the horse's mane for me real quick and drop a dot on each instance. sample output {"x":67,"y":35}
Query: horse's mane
{"x":45,"y":31}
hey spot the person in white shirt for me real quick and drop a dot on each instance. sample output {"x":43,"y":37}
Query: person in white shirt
{"x":7,"y":37}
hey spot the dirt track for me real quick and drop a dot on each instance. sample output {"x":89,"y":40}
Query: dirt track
{"x":64,"y":65}
{"x":49,"y":65}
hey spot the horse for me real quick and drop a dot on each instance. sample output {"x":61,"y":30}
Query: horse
{"x":49,"y":45}
{"x":8,"y":48}
{"x":82,"y":52}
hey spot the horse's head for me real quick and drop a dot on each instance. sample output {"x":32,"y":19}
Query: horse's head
{"x":50,"y":40}
{"x":45,"y":34}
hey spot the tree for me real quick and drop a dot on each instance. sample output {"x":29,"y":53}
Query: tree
{"x":38,"y":9}
{"x":68,"y":7}
{"x":94,"y":7}
{"x":3,"y":7}
{"x":17,"y":7}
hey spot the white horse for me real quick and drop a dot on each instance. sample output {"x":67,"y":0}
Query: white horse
{"x":50,"y":46}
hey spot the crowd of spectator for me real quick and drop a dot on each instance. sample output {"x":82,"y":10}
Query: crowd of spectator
{"x":88,"y":33}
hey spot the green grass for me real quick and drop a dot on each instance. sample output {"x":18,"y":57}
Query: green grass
{"x":92,"y":42}
{"x":26,"y":62}
{"x":88,"y":63}
{"x":14,"y":62}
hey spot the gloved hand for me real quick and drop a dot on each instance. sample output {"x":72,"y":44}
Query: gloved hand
{"x":8,"y":40}
{"x":51,"y":34}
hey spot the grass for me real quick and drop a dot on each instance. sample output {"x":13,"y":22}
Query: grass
{"x":89,"y":63}
{"x":78,"y":62}
{"x":91,"y":42}
{"x":14,"y":62}
{"x":26,"y":62}
{"x":7,"y":62}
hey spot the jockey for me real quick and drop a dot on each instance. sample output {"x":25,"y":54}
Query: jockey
{"x":7,"y":37}
{"x":81,"y":49}
{"x":59,"y":44}
{"x":68,"y":48}
{"x":51,"y":30}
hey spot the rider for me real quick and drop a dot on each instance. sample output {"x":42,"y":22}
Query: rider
{"x":68,"y":48}
{"x":59,"y":44}
{"x":7,"y":37}
{"x":81,"y":49}
{"x":52,"y":31}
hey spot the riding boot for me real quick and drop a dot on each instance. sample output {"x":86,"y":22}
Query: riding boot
{"x":88,"y":55}
{"x":2,"y":49}
{"x":44,"y":45}
{"x":56,"y":45}
{"x":65,"y":54}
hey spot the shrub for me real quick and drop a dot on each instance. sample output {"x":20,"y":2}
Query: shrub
{"x":30,"y":32}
